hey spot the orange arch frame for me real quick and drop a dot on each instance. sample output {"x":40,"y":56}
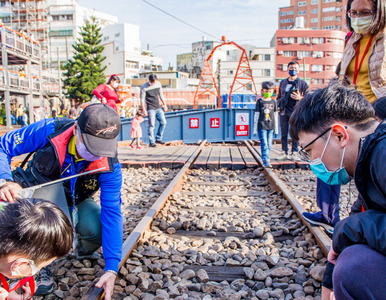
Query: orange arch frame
{"x":243,"y":76}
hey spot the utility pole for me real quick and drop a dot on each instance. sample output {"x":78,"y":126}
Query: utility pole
{"x":59,"y":77}
{"x":67,"y":50}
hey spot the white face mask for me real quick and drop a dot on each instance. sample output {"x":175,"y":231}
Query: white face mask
{"x":115,"y":85}
{"x":361,"y":25}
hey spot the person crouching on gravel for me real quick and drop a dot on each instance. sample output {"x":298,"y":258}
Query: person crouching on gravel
{"x":33,"y":233}
{"x":267,"y":109}
{"x":341,"y":139}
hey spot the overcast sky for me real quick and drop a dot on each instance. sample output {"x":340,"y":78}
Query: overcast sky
{"x":244,"y":22}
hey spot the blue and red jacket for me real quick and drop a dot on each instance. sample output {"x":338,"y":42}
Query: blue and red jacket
{"x":50,"y":138}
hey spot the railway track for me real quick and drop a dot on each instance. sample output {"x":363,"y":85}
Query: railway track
{"x":222,"y":234}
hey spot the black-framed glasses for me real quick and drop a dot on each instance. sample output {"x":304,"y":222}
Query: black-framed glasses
{"x":365,"y":13}
{"x":304,"y":155}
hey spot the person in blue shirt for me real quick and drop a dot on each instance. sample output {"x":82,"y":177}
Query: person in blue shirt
{"x":67,"y":147}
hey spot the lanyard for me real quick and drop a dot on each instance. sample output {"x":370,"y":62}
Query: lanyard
{"x":357,"y":67}
{"x":22,"y":282}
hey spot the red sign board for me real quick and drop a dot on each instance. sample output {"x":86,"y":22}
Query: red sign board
{"x":214,"y":122}
{"x":194,"y":123}
{"x":242,"y":130}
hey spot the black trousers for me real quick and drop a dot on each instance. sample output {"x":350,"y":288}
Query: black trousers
{"x":284,"y":127}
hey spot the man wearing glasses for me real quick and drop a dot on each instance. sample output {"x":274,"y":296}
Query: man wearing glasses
{"x":341,"y":139}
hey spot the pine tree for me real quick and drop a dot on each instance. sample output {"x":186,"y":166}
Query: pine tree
{"x":84,"y":72}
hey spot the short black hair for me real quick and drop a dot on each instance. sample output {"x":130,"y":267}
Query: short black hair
{"x":379,"y":20}
{"x":294,"y":62}
{"x":268,"y":85}
{"x":380,"y":108}
{"x":322,"y":107}
{"x":36,"y":228}
{"x":152,"y":77}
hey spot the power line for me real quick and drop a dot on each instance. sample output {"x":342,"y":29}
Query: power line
{"x":178,"y":19}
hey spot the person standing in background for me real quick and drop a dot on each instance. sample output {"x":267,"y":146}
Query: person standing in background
{"x":19,"y":114}
{"x":364,"y":57}
{"x":291,"y":90}
{"x":108,"y":93}
{"x":151,"y":95}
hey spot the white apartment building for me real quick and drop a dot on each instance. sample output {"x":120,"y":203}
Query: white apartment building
{"x":124,"y":56}
{"x":262,"y":62}
{"x":65,"y":18}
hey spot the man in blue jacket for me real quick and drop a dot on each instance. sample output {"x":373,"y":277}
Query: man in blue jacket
{"x":341,"y":139}
{"x":63,"y":148}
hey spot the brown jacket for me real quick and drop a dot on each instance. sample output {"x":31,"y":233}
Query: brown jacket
{"x":377,"y":61}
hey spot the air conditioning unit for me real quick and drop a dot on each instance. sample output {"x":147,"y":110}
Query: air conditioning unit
{"x":300,"y":57}
{"x":280,"y":52}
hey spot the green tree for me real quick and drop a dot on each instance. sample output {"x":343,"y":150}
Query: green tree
{"x":84,"y":72}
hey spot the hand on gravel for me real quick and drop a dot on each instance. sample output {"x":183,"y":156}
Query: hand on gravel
{"x":107,"y":281}
{"x":10,"y":192}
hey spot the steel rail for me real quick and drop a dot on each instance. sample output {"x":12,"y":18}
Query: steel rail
{"x":321,"y":237}
{"x":136,"y":235}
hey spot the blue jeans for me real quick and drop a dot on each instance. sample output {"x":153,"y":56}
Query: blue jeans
{"x":152,"y":115}
{"x":265,"y":137}
{"x":327,"y":199}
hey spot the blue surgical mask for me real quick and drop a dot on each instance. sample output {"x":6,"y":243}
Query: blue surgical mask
{"x":337,"y":177}
{"x":293,"y":72}
{"x":83,"y":152}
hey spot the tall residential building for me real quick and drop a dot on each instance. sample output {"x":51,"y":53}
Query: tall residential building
{"x":66,"y":17}
{"x":53,"y":23}
{"x":316,"y":14}
{"x":261,"y":61}
{"x":317,"y":51}
{"x":124,"y":56}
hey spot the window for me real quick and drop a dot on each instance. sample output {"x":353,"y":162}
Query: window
{"x":267,"y":72}
{"x":339,"y":18}
{"x":230,"y":72}
{"x":317,"y":54}
{"x":132,"y":64}
{"x":328,"y":1}
{"x":287,"y":13}
{"x":314,"y":1}
{"x":267,"y":57}
{"x":289,"y":53}
{"x":327,"y":9}
{"x":328,"y":27}
{"x":117,"y":34}
{"x":303,"y":53}
{"x":116,"y":48}
{"x":307,"y":40}
{"x":314,"y":11}
{"x":106,"y":38}
{"x":301,"y":67}
{"x":314,"y":20}
{"x":58,"y":33}
{"x":329,"y":18}
{"x":317,"y":40}
{"x":285,"y":67}
{"x":303,"y":3}
{"x":314,"y":28}
{"x":317,"y":68}
{"x":286,"y":21}
{"x":337,"y":55}
{"x":69,"y":17}
{"x":317,"y":81}
{"x":55,"y":18}
{"x":208,"y":47}
{"x":301,"y":12}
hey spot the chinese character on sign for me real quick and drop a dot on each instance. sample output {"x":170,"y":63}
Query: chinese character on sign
{"x":214,"y":122}
{"x":194,"y":123}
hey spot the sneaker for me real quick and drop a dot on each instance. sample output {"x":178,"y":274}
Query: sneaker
{"x":317,"y":219}
{"x":131,"y":146}
{"x":283,"y":156}
{"x":152,"y":145}
{"x":160,"y":142}
{"x":295,"y":156}
{"x":44,"y":282}
{"x":139,"y":147}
